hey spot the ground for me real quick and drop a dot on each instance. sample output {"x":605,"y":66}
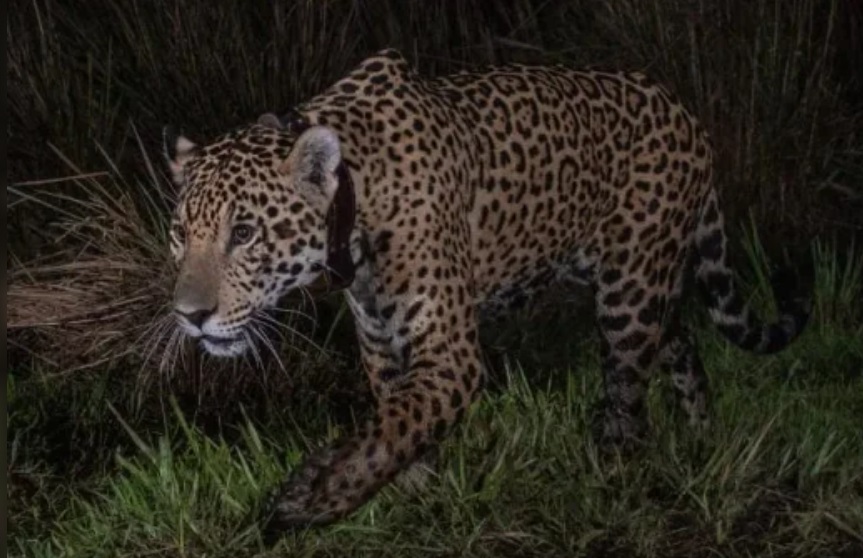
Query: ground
{"x":777,"y":475}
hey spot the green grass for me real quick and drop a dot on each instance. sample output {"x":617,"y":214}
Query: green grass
{"x":778,"y":473}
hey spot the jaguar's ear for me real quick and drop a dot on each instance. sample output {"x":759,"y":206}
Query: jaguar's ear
{"x":178,"y":150}
{"x":270,"y":120}
{"x":313,"y":161}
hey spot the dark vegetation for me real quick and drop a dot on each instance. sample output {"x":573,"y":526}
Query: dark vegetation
{"x":123,"y":441}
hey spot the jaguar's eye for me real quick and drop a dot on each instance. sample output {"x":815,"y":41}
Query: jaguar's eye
{"x":241,"y":234}
{"x":179,"y":233}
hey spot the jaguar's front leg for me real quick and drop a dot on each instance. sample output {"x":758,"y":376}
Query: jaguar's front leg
{"x":418,"y":404}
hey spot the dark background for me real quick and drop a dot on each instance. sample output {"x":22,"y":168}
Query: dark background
{"x":779,"y":84}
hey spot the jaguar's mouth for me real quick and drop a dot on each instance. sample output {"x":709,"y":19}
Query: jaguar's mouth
{"x":216,"y":340}
{"x":223,"y":346}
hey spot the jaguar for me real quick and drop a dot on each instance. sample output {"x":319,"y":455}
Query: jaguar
{"x":433,"y":202}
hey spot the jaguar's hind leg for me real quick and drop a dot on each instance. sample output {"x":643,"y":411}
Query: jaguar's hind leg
{"x":629,"y":318}
{"x":679,"y":357}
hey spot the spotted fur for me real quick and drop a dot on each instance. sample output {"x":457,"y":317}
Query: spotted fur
{"x":474,"y":191}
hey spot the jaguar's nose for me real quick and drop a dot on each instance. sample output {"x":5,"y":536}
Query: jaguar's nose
{"x":196,"y":317}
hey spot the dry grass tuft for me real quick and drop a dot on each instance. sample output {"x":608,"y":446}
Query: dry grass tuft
{"x":90,"y":312}
{"x":100,"y":296}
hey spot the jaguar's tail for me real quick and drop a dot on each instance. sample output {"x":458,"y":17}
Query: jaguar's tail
{"x":731,"y":314}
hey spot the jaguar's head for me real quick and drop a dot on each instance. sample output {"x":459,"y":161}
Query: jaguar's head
{"x":250,"y":225}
